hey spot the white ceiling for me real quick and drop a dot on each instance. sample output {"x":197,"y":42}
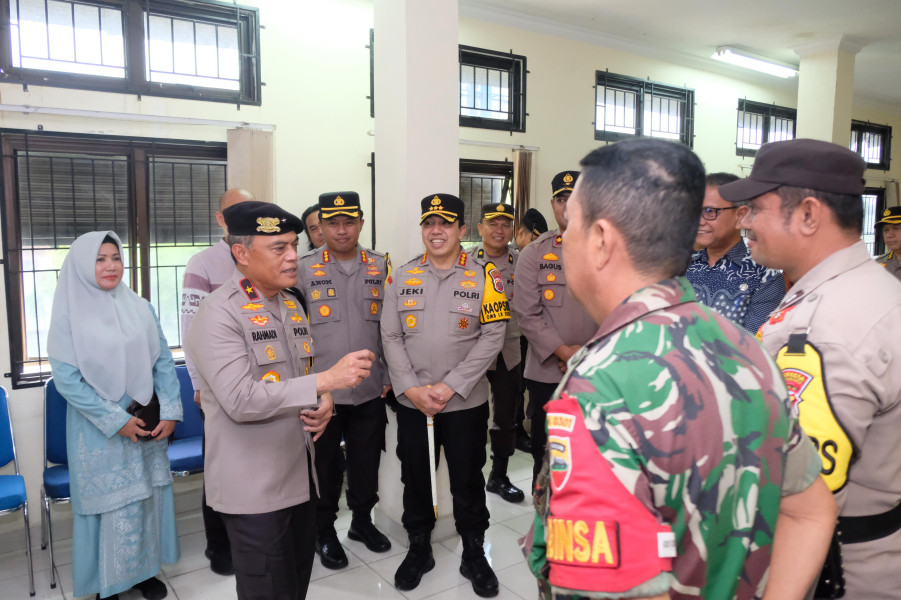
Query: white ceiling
{"x":688,"y":31}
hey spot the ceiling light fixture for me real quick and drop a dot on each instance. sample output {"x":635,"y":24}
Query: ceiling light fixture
{"x":749,"y":60}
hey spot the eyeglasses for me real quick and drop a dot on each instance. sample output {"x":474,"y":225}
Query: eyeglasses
{"x":711,"y":214}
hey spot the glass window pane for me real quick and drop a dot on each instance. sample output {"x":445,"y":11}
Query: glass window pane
{"x":87,"y":34}
{"x":207,"y":51}
{"x":183,"y":47}
{"x":62,"y":33}
{"x":111,"y":39}
{"x":159,"y":56}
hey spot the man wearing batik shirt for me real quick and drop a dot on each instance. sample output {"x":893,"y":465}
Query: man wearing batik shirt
{"x":724,"y":276}
{"x":672,"y":451}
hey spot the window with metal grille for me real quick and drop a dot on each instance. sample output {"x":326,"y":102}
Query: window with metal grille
{"x":483,"y":182}
{"x":175,"y":48}
{"x":492,"y":89}
{"x":873,"y":142}
{"x":160,"y":197}
{"x":631,"y":107}
{"x":760,"y":123}
{"x":873,"y":205}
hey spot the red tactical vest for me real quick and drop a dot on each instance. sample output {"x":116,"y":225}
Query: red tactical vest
{"x":599,"y":536}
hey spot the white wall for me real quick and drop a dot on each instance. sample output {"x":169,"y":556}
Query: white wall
{"x":316,"y":69}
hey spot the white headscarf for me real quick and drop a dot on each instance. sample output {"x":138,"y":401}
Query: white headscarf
{"x":110,"y":335}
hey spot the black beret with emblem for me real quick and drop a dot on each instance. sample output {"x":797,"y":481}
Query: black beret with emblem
{"x":534,"y":221}
{"x":339,"y":203}
{"x":890,"y":216}
{"x":493,"y":211}
{"x":563,"y":182}
{"x":260,"y":218}
{"x":447,"y":206}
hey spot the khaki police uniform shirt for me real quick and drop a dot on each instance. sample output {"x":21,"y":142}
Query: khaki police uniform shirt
{"x":548,"y":314}
{"x":892,"y":263}
{"x":251,"y":355}
{"x":345,"y":308}
{"x":506,"y":264}
{"x":432,"y":330}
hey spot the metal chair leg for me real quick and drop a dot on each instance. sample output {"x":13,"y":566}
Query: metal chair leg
{"x":28,"y":548}
{"x":45,"y":501}
{"x":52,"y":560}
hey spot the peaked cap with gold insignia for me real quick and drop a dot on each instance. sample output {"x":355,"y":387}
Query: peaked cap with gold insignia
{"x":333,"y":204}
{"x":564,"y":181}
{"x":260,"y":218}
{"x":446,"y":206}
{"x":493,"y":211}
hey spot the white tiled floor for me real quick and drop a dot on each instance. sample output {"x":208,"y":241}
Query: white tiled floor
{"x":368,"y":576}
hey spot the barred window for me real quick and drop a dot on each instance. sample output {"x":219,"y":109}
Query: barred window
{"x":160,"y":197}
{"x":492,"y":89}
{"x":873,"y":205}
{"x":631,"y":107}
{"x":483,"y":182}
{"x":873,"y":142}
{"x":179,"y":48}
{"x":760,"y":123}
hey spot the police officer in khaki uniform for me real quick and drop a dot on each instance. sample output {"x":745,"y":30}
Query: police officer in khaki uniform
{"x":837,"y":347}
{"x":445,"y":315}
{"x":252,"y":350}
{"x":344,"y":285}
{"x":496,"y":231}
{"x":553,"y":321}
{"x":890,"y":225}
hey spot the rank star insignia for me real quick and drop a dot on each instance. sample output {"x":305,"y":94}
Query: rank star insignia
{"x":374,"y":308}
{"x":259,"y":320}
{"x":413,"y":281}
{"x":374,"y":292}
{"x":248,"y":290}
{"x":325,"y":310}
{"x":270,"y":352}
{"x":416,"y":271}
{"x":548,"y":294}
{"x":469,"y":273}
{"x":290,"y":304}
{"x":297,"y":318}
{"x":306,"y":347}
{"x":468,"y":284}
{"x":551,"y":277}
{"x":271,"y":377}
{"x":319,"y":273}
{"x":410,"y":320}
{"x":268,"y":225}
{"x":315,"y":294}
{"x":252,"y":306}
{"x":558,"y":240}
{"x":550,"y":256}
{"x":463,"y":324}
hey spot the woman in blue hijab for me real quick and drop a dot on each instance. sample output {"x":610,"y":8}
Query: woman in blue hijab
{"x":107,"y":350}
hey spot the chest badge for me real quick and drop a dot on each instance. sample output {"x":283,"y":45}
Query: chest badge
{"x":271,"y":377}
{"x":464,"y":323}
{"x":413,"y":281}
{"x":315,"y":294}
{"x":374,"y":308}
{"x":270,"y":352}
{"x":297,"y":318}
{"x":259,"y":320}
{"x":410,"y":303}
{"x":330,"y":292}
{"x":416,"y":271}
{"x":325,"y":310}
{"x":469,"y":273}
{"x":410,"y":320}
{"x":317,"y":266}
{"x":561,"y":461}
{"x":548,"y":294}
{"x":468,"y":284}
{"x":290,"y":304}
{"x":318,"y":272}
{"x":374,"y":292}
{"x":306,"y":347}
{"x":550,"y":256}
{"x":252,"y":306}
{"x":551,"y":277}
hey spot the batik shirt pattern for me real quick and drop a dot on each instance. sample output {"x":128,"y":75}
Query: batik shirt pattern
{"x":693,"y":418}
{"x":736,"y":286}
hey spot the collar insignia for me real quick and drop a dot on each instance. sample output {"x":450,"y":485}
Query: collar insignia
{"x":462,"y":261}
{"x":247,"y":287}
{"x":325,"y":256}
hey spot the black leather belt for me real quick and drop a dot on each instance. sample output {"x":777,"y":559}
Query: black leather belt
{"x":871,"y":527}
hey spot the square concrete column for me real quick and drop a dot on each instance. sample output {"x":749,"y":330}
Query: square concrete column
{"x":826,"y":89}
{"x":416,"y":154}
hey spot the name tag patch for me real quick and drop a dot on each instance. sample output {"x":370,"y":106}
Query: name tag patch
{"x":583,"y":542}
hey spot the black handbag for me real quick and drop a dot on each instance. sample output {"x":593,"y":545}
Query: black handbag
{"x":150,"y":414}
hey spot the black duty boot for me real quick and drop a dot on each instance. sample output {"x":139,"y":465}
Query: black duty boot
{"x":418,"y":562}
{"x":331,"y":553}
{"x":523,"y":441}
{"x":152,"y":589}
{"x":362,"y":530}
{"x":475,"y":567}
{"x":499,"y":483}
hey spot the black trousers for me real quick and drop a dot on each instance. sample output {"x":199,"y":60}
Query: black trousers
{"x":520,"y":404}
{"x":539,"y":395}
{"x":213,"y":525}
{"x":273,"y":552}
{"x":363,"y":430}
{"x":504,"y":395}
{"x":463,"y":435}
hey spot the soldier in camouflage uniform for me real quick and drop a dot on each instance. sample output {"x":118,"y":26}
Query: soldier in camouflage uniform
{"x":672,"y":450}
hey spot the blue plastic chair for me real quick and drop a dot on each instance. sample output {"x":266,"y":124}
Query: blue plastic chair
{"x":186,"y":447}
{"x":55,"y":489}
{"x":12,"y":487}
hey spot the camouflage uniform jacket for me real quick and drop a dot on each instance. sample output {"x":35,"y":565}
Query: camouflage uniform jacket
{"x":693,"y":418}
